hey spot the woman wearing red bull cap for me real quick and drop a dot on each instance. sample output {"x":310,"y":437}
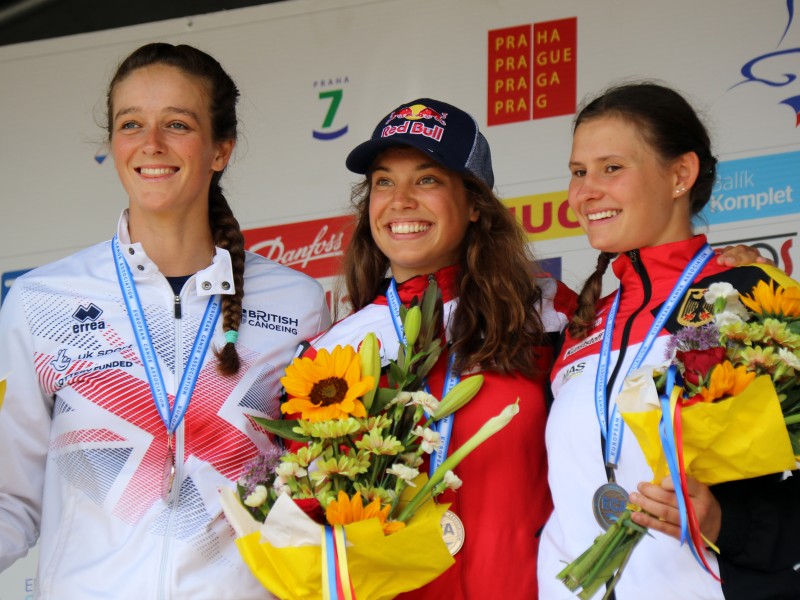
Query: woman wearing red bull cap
{"x":426,"y":210}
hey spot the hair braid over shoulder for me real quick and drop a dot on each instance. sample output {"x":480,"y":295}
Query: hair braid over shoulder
{"x":228,"y":235}
{"x":584,"y":316}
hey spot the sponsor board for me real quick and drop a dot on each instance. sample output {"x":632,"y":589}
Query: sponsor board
{"x":532,"y":71}
{"x":312,"y":247}
{"x":755,"y":188}
{"x":544,"y":216}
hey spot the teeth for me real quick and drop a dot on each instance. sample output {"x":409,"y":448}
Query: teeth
{"x":155,"y":172}
{"x":606,"y":214}
{"x":409,"y":227}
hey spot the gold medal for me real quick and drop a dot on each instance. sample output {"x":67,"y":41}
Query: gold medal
{"x":452,"y":532}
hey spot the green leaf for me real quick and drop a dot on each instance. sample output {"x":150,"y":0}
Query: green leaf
{"x":396,"y":375}
{"x":382,"y":398}
{"x":282,"y":428}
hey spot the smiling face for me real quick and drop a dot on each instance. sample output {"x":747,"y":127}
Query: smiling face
{"x":418,"y":212}
{"x":162,"y":141}
{"x":624,"y":195}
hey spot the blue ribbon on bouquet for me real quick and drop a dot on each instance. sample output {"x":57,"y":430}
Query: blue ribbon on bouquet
{"x":670,"y":412}
{"x":336,"y":583}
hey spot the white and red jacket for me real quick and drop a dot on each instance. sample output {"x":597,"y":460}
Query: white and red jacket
{"x":504,"y":501}
{"x":660,"y":568}
{"x":83,"y":449}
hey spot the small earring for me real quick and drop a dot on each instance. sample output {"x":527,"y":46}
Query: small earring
{"x":680,"y":190}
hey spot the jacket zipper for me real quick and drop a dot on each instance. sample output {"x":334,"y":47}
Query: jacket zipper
{"x":172,"y":498}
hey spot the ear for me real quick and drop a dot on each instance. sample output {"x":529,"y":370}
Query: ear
{"x":474,"y":214}
{"x":223,"y":155}
{"x":685,"y":169}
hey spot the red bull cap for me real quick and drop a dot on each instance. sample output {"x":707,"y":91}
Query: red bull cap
{"x":448,"y":134}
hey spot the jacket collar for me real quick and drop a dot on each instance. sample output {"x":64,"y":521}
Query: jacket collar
{"x":446,"y":278}
{"x":217,"y":278}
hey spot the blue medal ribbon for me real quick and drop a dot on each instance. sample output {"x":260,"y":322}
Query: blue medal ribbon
{"x":612,"y":426}
{"x":170,"y":417}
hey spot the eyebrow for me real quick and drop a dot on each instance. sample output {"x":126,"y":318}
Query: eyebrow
{"x":420,"y":167}
{"x":597,"y":159}
{"x":167,"y":110}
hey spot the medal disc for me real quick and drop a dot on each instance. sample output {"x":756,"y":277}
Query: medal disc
{"x":452,"y":532}
{"x":609,"y":503}
{"x":169,"y":475}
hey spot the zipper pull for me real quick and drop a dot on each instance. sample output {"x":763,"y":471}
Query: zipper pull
{"x":177,"y":307}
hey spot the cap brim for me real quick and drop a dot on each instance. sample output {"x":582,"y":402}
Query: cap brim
{"x":362,"y":156}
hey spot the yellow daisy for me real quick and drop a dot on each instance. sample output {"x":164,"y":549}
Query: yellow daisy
{"x":344,"y":511}
{"x":327,"y":387}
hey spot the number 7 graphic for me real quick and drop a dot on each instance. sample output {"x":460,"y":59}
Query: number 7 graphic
{"x":336,"y":100}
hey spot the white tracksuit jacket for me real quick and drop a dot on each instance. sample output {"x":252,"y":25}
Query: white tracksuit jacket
{"x":83,"y":449}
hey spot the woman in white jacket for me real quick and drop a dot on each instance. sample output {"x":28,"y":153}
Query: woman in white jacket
{"x":135,"y":363}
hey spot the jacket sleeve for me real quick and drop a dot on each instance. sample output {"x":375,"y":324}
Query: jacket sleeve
{"x":25,"y":417}
{"x":760,"y":522}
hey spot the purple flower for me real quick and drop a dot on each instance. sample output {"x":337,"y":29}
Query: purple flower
{"x":693,"y":338}
{"x":260,"y":470}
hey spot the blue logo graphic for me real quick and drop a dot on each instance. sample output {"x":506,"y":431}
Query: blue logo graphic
{"x":755,"y":188}
{"x":750,"y":68}
{"x":334,"y":96}
{"x":87,"y":313}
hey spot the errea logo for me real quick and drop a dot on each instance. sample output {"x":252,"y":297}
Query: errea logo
{"x":87,"y":317}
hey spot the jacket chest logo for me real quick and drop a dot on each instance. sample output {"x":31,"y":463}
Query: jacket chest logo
{"x":694,"y":311}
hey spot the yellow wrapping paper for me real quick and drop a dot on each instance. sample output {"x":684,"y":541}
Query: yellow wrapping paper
{"x":741,"y":437}
{"x":381,"y":566}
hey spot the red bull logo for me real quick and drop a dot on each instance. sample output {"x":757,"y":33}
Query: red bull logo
{"x":416,"y":112}
{"x":415,"y":117}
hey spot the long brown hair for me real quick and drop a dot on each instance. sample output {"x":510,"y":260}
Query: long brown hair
{"x":224,"y":227}
{"x":496,"y":324}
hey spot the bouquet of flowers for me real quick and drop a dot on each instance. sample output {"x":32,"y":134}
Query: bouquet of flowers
{"x":724,"y":406}
{"x":346,"y":512}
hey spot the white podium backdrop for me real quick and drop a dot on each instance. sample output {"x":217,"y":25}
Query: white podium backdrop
{"x":316,"y":75}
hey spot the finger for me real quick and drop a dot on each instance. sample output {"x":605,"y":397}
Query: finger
{"x":654,"y":524}
{"x":656,"y":493}
{"x":660,"y":510}
{"x":668,"y":484}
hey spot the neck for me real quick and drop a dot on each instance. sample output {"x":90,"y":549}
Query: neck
{"x":178,"y":247}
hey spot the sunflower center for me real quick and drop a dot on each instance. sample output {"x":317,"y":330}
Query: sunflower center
{"x":328,"y":391}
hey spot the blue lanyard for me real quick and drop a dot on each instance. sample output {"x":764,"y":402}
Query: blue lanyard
{"x":170,"y":417}
{"x":613,"y":428}
{"x":443,"y":427}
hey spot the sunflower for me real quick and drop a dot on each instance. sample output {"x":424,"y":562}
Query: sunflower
{"x":326,"y":387}
{"x":726,"y":380}
{"x":770,"y":302}
{"x":344,"y":511}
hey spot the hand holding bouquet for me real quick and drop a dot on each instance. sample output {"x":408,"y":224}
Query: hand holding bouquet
{"x":347,"y":513}
{"x":725,"y":406}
